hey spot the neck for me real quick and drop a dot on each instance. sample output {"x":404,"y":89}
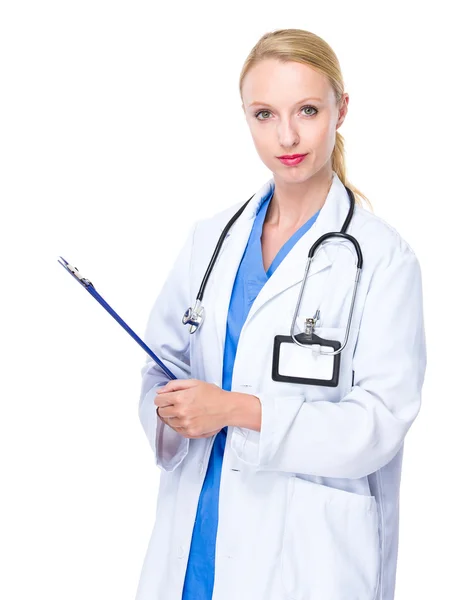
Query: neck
{"x":293,"y":204}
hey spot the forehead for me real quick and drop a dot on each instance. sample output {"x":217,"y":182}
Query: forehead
{"x":275,"y":82}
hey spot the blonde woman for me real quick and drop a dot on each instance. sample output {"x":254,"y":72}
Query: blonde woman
{"x":280,"y":466}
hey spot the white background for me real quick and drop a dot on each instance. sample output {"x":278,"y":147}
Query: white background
{"x":121,"y":124}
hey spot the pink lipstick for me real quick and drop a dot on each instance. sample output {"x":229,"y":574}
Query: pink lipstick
{"x":292,"y":159}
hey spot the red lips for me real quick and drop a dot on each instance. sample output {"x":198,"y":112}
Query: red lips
{"x":292,"y":162}
{"x":291,"y":155}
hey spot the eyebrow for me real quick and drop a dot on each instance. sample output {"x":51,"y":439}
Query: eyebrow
{"x":299,"y":102}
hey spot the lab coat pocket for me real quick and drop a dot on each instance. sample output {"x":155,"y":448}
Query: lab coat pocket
{"x":331,"y":548}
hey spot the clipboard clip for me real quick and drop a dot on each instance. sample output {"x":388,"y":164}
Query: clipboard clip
{"x":74,"y":271}
{"x":86,"y":283}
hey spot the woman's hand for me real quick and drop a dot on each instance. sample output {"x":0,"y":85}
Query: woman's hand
{"x":193,"y":408}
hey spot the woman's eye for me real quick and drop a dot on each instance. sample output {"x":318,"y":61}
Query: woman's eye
{"x":309,"y":114}
{"x":312,"y":107}
{"x":261,"y":112}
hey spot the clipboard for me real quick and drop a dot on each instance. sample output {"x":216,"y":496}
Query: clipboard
{"x":86,"y":283}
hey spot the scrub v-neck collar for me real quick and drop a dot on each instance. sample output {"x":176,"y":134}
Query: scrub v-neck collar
{"x":257,"y":231}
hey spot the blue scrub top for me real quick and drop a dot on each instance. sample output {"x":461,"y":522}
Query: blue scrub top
{"x":250,"y":278}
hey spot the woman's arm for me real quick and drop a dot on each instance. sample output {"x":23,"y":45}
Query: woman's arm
{"x":168,"y":337}
{"x":364,"y":431}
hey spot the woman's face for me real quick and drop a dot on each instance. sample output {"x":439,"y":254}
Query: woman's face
{"x":291,"y":109}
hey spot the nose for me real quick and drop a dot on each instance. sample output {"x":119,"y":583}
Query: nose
{"x":288,"y":135}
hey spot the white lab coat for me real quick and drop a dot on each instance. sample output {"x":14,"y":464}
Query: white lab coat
{"x":308,"y":506}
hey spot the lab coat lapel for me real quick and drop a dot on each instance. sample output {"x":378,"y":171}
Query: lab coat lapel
{"x":225,"y":269}
{"x":292,"y":268}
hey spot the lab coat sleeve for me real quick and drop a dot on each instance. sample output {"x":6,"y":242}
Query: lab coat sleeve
{"x":168,"y":337}
{"x":364,"y":431}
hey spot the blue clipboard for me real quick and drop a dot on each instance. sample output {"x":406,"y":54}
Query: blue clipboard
{"x":92,"y":290}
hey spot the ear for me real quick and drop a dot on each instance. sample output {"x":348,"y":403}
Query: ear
{"x":343,"y":110}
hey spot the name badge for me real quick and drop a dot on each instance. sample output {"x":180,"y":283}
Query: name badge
{"x":296,"y":364}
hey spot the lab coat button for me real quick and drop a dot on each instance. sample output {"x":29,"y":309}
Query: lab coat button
{"x":180,"y":552}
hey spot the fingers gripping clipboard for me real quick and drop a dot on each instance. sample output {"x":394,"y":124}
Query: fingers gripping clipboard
{"x":86,"y":283}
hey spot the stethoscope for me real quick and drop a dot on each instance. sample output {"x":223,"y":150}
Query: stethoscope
{"x":195,"y":316}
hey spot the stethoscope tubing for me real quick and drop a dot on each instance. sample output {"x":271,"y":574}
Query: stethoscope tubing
{"x":194,"y":317}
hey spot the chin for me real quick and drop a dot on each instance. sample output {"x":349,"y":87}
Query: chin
{"x":293,"y":174}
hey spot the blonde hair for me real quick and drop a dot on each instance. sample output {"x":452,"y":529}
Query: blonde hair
{"x":303,"y":46}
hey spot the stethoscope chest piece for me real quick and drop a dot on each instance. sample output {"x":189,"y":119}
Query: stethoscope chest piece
{"x":194,"y":317}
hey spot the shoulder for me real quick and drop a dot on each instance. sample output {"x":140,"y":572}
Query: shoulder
{"x":218,"y":220}
{"x":208,"y":230}
{"x":381,"y":243}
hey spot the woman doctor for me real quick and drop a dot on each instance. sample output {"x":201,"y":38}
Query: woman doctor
{"x":273,"y":489}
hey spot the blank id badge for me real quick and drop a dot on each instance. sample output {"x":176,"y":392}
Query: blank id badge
{"x":295,"y":364}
